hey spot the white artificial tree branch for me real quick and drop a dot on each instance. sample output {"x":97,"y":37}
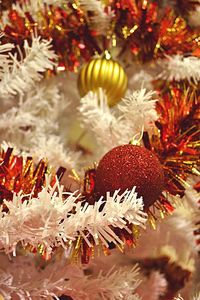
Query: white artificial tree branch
{"x":34,"y":7}
{"x":97,"y":117}
{"x":179,"y":68}
{"x":182,"y":220}
{"x":194,"y":16}
{"x":34,"y":125}
{"x":21,"y":280}
{"x":95,"y":6}
{"x":15,"y":120}
{"x":39,"y":108}
{"x":140,"y":78}
{"x":21,"y":75}
{"x":100,"y":20}
{"x":51,"y":146}
{"x":196,"y":297}
{"x":153,"y":287}
{"x":4,"y":57}
{"x":48,"y":219}
{"x":137,"y":112}
{"x":186,"y":215}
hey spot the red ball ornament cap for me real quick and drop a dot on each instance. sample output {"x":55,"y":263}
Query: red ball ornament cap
{"x":127,"y":166}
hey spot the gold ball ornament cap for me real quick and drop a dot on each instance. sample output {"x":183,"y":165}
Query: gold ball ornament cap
{"x":106,"y":74}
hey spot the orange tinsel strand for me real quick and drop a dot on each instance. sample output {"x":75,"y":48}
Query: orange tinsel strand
{"x":67,"y":27}
{"x":19,"y":174}
{"x":149,"y":33}
{"x":138,"y":27}
{"x":177,"y":139}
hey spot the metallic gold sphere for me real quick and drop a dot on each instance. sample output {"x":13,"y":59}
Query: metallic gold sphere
{"x":106,"y":74}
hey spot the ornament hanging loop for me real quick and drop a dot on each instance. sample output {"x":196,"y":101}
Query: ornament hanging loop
{"x":137,"y":141}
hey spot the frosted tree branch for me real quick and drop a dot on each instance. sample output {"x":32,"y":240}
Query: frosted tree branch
{"x":33,"y":7}
{"x":34,"y":124}
{"x":22,"y":280}
{"x":137,"y":112}
{"x":179,"y":68}
{"x":48,"y":219}
{"x":140,"y":79}
{"x":21,"y":75}
{"x":186,"y":215}
{"x":197,"y":297}
{"x":153,"y":287}
{"x":100,"y":20}
{"x":97,"y":117}
{"x":52,"y":148}
{"x":4,"y":57}
{"x":194,"y":17}
{"x":45,"y":104}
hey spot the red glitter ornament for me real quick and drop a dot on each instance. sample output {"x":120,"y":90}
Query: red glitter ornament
{"x":127,"y":166}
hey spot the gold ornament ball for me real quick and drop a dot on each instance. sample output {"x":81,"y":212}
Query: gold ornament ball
{"x":106,"y":74}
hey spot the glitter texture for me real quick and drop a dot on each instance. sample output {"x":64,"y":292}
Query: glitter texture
{"x":126,"y":166}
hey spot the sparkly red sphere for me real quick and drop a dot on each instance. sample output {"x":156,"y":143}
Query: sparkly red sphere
{"x":127,"y":166}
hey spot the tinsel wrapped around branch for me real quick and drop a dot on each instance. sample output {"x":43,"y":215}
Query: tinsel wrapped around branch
{"x":59,"y":221}
{"x":58,"y":212}
{"x":139,"y":28}
{"x":179,"y":134}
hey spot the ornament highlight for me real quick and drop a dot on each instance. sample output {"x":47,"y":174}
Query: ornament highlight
{"x":127,"y":166}
{"x":106,"y":74}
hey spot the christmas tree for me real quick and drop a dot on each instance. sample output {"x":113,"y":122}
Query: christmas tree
{"x":99,"y":156}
